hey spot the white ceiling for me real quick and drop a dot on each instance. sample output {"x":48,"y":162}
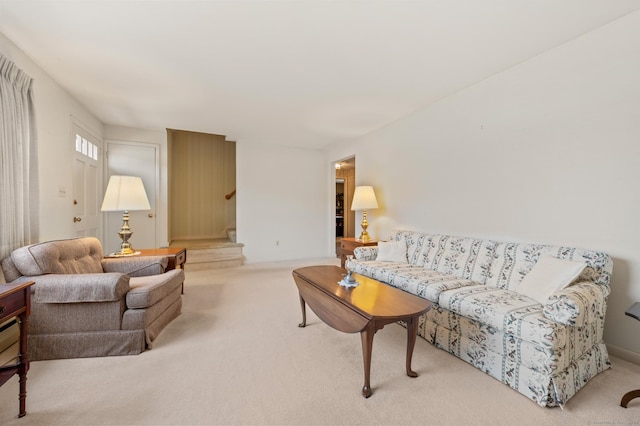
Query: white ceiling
{"x":302,"y":73}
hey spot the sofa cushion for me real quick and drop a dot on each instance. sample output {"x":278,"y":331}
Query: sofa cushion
{"x":147,"y":291}
{"x":392,"y":251}
{"x":512,"y":261}
{"x":504,"y":310}
{"x":426,"y":283}
{"x":74,"y":256}
{"x":417,"y":244}
{"x":381,"y":271}
{"x":549,"y":275}
{"x":463,"y":257}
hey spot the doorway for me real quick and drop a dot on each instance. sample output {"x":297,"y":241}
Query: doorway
{"x":134,"y":159}
{"x":202,"y":184}
{"x":86,"y":183}
{"x":345,"y":178}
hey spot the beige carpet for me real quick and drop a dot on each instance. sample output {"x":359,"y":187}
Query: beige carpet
{"x":236,"y":356}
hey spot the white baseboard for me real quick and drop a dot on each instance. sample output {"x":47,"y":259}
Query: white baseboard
{"x":624,"y":354}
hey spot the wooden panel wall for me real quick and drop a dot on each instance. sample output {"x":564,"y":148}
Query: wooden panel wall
{"x":202,"y":170}
{"x":349,"y":176}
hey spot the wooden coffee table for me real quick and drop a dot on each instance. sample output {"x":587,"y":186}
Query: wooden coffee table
{"x":366,"y":308}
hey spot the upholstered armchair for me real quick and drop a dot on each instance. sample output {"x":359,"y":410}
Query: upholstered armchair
{"x":84,"y":305}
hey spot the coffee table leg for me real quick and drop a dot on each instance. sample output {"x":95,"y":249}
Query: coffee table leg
{"x":628,"y":397}
{"x":412,"y":334}
{"x":366,"y":336}
{"x":304,"y":313}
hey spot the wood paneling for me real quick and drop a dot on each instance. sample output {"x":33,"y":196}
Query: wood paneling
{"x":202,"y":172}
{"x":349,"y":176}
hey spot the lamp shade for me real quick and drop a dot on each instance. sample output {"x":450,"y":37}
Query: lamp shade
{"x":125,"y":193}
{"x":364,"y":198}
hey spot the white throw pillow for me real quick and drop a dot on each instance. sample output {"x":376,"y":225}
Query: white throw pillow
{"x":548,"y":275}
{"x":392,"y":251}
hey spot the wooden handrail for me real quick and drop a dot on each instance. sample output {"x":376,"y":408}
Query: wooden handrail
{"x":229,"y":195}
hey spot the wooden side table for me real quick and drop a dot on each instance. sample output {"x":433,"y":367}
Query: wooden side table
{"x":177,"y":255}
{"x":15,"y":301}
{"x":634,"y":312}
{"x":347,"y":245}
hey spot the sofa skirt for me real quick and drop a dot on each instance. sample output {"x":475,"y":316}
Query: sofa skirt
{"x":85,"y":344}
{"x":546,"y":389}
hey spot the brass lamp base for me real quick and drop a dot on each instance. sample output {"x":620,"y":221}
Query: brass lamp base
{"x":125,"y":233}
{"x":364,"y":236}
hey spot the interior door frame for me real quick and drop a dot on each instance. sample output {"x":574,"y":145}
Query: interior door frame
{"x":156,"y":146}
{"x":348,"y":215}
{"x":80,"y":128}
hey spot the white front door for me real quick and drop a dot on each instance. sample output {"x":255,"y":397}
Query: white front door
{"x":87,"y":194}
{"x":133,"y":159}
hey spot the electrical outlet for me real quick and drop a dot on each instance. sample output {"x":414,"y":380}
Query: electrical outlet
{"x":277,"y":243}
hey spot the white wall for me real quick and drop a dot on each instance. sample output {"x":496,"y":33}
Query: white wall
{"x":281,"y":197}
{"x":544,"y":152}
{"x":54,"y":109}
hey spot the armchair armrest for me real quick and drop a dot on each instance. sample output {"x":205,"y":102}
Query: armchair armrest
{"x":365,"y":253}
{"x":78,"y":288}
{"x":136,"y":266}
{"x":577,"y":305}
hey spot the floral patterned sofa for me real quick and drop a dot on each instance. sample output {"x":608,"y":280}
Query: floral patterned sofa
{"x":546,"y":349}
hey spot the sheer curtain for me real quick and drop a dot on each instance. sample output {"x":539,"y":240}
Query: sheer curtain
{"x":18,"y":160}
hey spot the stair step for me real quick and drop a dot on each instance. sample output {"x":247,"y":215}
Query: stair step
{"x":218,"y":264}
{"x":211,"y":254}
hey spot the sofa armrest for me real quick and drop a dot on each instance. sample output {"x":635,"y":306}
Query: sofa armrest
{"x":79,"y":288}
{"x":365,"y":253}
{"x":136,"y":266}
{"x":577,"y":305}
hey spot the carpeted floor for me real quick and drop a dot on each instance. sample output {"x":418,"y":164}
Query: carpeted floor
{"x":235,"y":356}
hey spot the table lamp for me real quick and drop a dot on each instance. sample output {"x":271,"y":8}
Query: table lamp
{"x":125,"y":194}
{"x":364,"y":198}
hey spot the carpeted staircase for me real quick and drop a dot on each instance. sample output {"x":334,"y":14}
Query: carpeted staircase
{"x":213,"y":253}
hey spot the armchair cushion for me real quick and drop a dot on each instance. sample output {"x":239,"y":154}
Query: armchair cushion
{"x":75,"y":256}
{"x":78,"y":288}
{"x":147,"y":291}
{"x":136,"y":266}
{"x":9,"y":270}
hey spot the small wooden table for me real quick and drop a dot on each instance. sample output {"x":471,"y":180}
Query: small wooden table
{"x":15,"y":301}
{"x":347,"y":245}
{"x":634,"y":312}
{"x":177,"y":255}
{"x":366,"y":308}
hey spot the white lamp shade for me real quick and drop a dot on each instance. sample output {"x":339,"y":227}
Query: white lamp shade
{"x":364,"y":198}
{"x":125,"y":193}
